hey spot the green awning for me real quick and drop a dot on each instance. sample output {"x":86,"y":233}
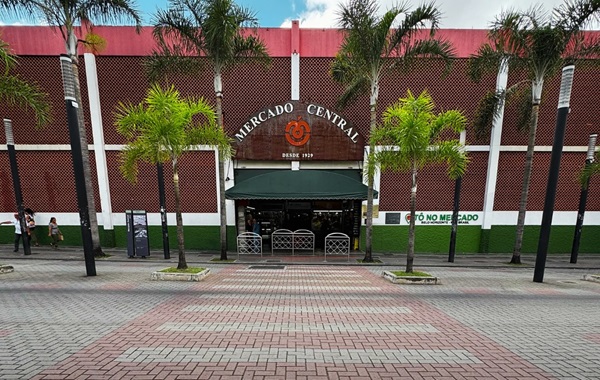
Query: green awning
{"x":299,"y":184}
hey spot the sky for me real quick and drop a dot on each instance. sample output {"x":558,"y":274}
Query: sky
{"x":459,"y":14}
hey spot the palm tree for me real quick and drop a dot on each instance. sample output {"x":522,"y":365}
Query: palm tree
{"x":538,"y":44}
{"x":16,"y":91}
{"x":214,"y":29}
{"x":370,"y":47}
{"x":161,"y":129}
{"x":65,"y":15}
{"x":410,"y":135}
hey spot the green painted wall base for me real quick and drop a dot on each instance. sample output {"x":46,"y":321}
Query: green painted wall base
{"x":484,"y":241}
{"x":107,"y":238}
{"x":392,"y":239}
{"x":472,"y":239}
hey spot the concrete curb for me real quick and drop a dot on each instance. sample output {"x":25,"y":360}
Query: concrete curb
{"x":411,"y":280}
{"x":164,"y":276}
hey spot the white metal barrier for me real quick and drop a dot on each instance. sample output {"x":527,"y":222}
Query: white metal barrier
{"x":303,"y":240}
{"x":249,"y":243}
{"x":283,"y":239}
{"x":337,"y":243}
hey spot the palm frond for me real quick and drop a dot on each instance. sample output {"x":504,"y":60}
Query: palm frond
{"x":451,"y":153}
{"x":430,"y":48}
{"x":110,"y":11}
{"x":576,"y":14}
{"x":452,"y":120}
{"x":486,"y":113}
{"x":17,"y":92}
{"x":8,"y":60}
{"x":128,"y":158}
{"x":356,"y":83}
{"x":487,"y":59}
{"x":588,"y":172}
{"x":160,"y":65}
{"x":174,"y":30}
{"x":520,"y":94}
{"x":251,"y":48}
{"x":426,"y":15}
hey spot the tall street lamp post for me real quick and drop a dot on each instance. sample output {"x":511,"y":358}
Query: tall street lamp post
{"x":74,"y":136}
{"x":583,"y":200}
{"x":566,"y":84}
{"x":12,"y":156}
{"x":163,"y":210}
{"x":456,"y":208}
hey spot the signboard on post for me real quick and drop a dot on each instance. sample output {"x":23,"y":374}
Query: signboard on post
{"x":137,"y":233}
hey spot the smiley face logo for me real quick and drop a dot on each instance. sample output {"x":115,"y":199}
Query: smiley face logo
{"x":297,"y":132}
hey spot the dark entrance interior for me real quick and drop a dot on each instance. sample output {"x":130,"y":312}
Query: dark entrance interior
{"x":322,"y":217}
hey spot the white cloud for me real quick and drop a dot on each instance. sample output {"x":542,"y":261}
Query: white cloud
{"x":459,"y":14}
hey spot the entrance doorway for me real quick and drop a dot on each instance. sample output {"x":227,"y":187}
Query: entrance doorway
{"x":322,"y":217}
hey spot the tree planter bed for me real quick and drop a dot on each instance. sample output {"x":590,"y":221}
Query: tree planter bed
{"x":411,"y":280}
{"x":172,"y":276}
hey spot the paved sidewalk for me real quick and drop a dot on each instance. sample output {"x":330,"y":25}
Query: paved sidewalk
{"x":584,"y":261}
{"x":295,"y":320}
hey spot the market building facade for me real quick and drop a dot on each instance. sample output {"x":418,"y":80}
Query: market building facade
{"x":298,"y":161}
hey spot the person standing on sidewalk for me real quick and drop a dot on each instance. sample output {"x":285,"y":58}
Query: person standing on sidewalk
{"x":54,"y":233}
{"x":31,"y":229}
{"x":17,"y":223}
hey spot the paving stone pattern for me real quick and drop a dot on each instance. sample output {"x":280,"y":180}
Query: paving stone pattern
{"x":302,"y":322}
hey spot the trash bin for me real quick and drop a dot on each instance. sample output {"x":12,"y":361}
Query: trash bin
{"x":137,"y":233}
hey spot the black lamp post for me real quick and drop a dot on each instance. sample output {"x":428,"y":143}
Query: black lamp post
{"x":583,"y":200}
{"x":82,"y":203}
{"x":163,"y":210}
{"x":12,"y":156}
{"x":564,"y":97}
{"x":456,"y":208}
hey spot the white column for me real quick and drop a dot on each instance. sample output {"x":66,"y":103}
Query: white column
{"x":494,"y":153}
{"x":295,"y":60}
{"x":376,"y":185}
{"x":98,"y":135}
{"x":229,"y":182}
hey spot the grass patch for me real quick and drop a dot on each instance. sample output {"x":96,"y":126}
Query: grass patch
{"x":188,"y":270}
{"x":218,"y":260}
{"x":401,"y":273}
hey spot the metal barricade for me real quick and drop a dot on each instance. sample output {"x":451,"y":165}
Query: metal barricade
{"x":299,"y":240}
{"x":303,"y":240}
{"x":282,"y":239}
{"x":337,"y":243}
{"x":249,"y":243}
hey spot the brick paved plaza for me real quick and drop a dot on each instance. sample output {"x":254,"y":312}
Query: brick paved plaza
{"x":301,"y":322}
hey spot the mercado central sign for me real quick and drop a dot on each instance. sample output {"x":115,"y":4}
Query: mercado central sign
{"x":298,"y":131}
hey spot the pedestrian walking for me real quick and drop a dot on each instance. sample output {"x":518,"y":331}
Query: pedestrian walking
{"x":17,"y":223}
{"x":31,"y":235}
{"x":54,"y":233}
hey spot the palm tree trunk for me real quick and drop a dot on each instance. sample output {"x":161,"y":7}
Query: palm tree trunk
{"x":410,"y":255}
{"x":516,"y":257}
{"x":182,"y":264}
{"x":222,"y":203}
{"x":97,"y":249}
{"x":370,"y":180}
